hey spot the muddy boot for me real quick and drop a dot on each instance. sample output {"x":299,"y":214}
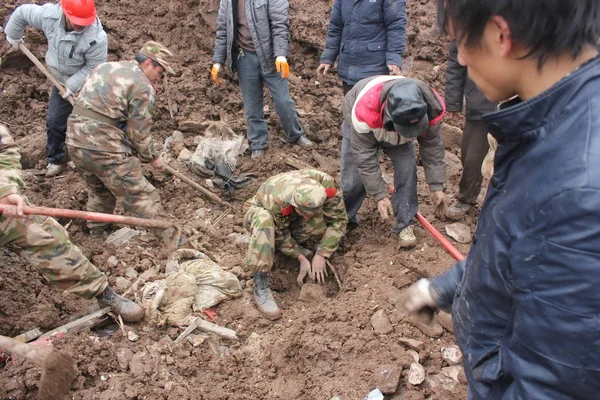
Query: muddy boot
{"x":458,"y":209}
{"x":263,"y":296}
{"x":129,"y":311}
{"x":54,"y":170}
{"x":407,"y":237}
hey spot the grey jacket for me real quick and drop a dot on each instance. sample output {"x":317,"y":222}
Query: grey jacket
{"x":365,"y":145}
{"x":72,"y":55}
{"x":268,"y":23}
{"x":459,"y":86}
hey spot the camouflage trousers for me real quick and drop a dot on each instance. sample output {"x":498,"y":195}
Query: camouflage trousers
{"x":264,"y":238}
{"x":112,"y":176}
{"x":44,"y":243}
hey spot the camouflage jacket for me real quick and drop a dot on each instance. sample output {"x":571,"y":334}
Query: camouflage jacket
{"x":120,"y":91}
{"x":276,"y":193}
{"x":10,"y":165}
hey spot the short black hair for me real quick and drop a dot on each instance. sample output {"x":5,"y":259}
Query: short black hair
{"x":140,"y":58}
{"x":548,"y":28}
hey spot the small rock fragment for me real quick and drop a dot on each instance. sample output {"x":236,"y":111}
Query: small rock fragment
{"x":374,"y":395}
{"x":122,"y":284}
{"x":124,"y":355}
{"x":452,"y":355}
{"x":445,"y":320}
{"x":431,"y":329}
{"x":415,"y":356}
{"x":184,"y":155}
{"x":439,"y":382}
{"x":112,"y":261}
{"x":452,"y":372}
{"x":132,"y":336}
{"x":459,"y":232}
{"x":416,"y":374}
{"x":412,"y":343}
{"x":388,"y":379}
{"x":122,"y":236}
{"x":312,"y":293}
{"x":131,"y":273}
{"x":381,"y":323}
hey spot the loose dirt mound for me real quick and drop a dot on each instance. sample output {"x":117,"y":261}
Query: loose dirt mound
{"x":317,"y":351}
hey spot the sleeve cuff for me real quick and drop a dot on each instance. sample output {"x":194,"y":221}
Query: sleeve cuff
{"x":380,"y":195}
{"x":323,"y":252}
{"x":454,"y":107}
{"x":6,"y":190}
{"x":436,"y":187}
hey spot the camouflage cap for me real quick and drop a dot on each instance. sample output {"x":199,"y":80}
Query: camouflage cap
{"x":159,"y":53}
{"x":309,"y":197}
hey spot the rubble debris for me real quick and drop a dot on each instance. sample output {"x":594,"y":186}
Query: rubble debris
{"x":122,"y":236}
{"x":112,"y":262}
{"x":439,"y":382}
{"x":416,"y":374}
{"x":445,"y":319}
{"x":452,"y":372}
{"x":388,"y":379}
{"x":312,"y":293}
{"x":132,"y":336}
{"x":381,"y":323}
{"x":374,"y":395}
{"x":452,"y":355}
{"x":412,"y":343}
{"x":432,"y":329}
{"x":414,"y":355}
{"x":459,"y":232}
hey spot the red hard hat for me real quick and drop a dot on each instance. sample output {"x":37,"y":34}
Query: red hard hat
{"x":79,"y":12}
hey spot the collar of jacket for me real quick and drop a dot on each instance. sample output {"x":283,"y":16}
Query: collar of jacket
{"x":520,"y":120}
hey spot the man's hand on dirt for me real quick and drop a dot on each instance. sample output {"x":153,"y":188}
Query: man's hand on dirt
{"x":438,"y":198}
{"x":323,"y":69}
{"x":214,"y":74}
{"x":416,"y":297}
{"x":319,"y":268}
{"x":394,"y":69}
{"x":304,"y":269}
{"x":282,"y":66}
{"x":67,"y":93}
{"x":384,"y":206}
{"x":158,"y":163}
{"x":14,"y":42}
{"x":13,"y":200}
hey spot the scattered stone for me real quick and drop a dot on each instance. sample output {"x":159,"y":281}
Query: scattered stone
{"x":122,"y":284}
{"x":445,"y":320}
{"x":124,"y":355}
{"x":416,"y":374}
{"x":412,"y":343}
{"x":388,"y":379}
{"x":459,"y":232}
{"x":452,"y":138}
{"x":462,"y":378}
{"x":439,"y":382}
{"x":209,"y":184}
{"x":141,"y":364}
{"x":240,"y":238}
{"x":196,"y":340}
{"x":452,"y":355}
{"x":237,"y":271}
{"x":381,"y":323}
{"x":112,"y":261}
{"x":131,"y":273}
{"x":312,"y":293}
{"x":414,"y":355}
{"x":374,"y":395}
{"x":184,"y":156}
{"x":132,"y":336}
{"x":168,"y":387}
{"x":431,"y":329}
{"x":122,"y":236}
{"x":452,"y":372}
{"x":191,"y":125}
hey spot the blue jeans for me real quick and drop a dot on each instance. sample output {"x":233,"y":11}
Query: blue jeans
{"x":404,"y":199}
{"x":252,"y":81}
{"x":59,"y":110}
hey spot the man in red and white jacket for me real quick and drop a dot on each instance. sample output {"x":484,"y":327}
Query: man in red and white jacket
{"x":388,"y":113}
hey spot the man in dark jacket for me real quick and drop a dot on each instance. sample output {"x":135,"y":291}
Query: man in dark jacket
{"x":368,"y":36}
{"x":474,"y":145}
{"x":388,"y":113}
{"x":253,"y":37}
{"x":525,"y":303}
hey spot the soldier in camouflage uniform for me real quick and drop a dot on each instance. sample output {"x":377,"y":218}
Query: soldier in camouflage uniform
{"x":288,"y":210}
{"x":108,"y":133}
{"x":45,"y":243}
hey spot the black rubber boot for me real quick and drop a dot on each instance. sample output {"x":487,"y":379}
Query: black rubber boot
{"x":263,"y":296}
{"x":129,"y":311}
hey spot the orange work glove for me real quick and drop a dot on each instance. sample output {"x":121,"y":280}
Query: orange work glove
{"x":214,"y":74}
{"x":282,"y":66}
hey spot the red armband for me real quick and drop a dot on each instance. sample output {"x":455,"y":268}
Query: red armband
{"x":331,"y":192}
{"x":287,"y":211}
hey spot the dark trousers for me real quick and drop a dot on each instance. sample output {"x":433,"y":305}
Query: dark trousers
{"x":56,"y":127}
{"x":404,"y":199}
{"x":474,"y":146}
{"x":347,"y":87}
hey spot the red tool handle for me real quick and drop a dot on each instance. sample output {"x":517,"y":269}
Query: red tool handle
{"x":436,"y":234}
{"x":93,"y":216}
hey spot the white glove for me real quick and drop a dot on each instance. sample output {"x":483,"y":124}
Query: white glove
{"x":417,"y":297}
{"x":67,"y":93}
{"x":14,"y":42}
{"x":281,"y":59}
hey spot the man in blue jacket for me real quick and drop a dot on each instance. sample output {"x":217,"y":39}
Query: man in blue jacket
{"x":367,"y":37}
{"x":526,"y":303}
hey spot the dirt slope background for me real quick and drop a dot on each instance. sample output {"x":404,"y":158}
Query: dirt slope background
{"x":317,"y":350}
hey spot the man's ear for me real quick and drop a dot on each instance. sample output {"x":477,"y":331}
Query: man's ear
{"x":501,"y":35}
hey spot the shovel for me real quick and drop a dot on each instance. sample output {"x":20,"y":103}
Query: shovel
{"x":58,"y":368}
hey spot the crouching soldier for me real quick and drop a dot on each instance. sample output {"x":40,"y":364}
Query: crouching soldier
{"x":288,"y":210}
{"x":45,"y":243}
{"x":388,"y":113}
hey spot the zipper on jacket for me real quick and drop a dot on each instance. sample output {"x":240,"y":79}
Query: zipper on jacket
{"x":240,"y":53}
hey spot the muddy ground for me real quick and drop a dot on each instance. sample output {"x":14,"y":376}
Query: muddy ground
{"x":317,"y":350}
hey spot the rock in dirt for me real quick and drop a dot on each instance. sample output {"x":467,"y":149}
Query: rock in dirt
{"x":459,"y":232}
{"x":452,"y":372}
{"x":439,"y":382}
{"x":412,"y":343}
{"x":122,"y":236}
{"x":452,"y":136}
{"x":416,"y":374}
{"x":131,"y":273}
{"x":374,"y":395}
{"x":192,"y":125}
{"x":141,"y":364}
{"x":124,"y":356}
{"x":445,"y":320}
{"x":312,"y":293}
{"x":415,"y":356}
{"x":388,"y":379}
{"x":184,"y":156}
{"x":240,"y":238}
{"x":381,"y":323}
{"x":132,"y":336}
{"x":112,"y":261}
{"x":122,"y":284}
{"x":432,"y":329}
{"x":452,"y":355}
